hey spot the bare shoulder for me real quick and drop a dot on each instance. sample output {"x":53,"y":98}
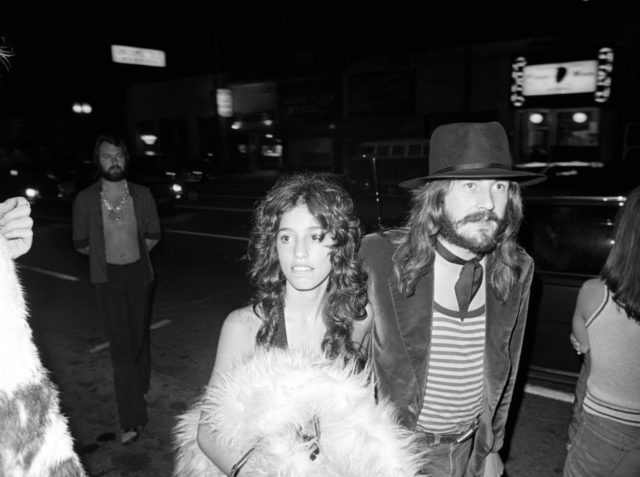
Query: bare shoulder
{"x":237,"y":339}
{"x":593,"y":286}
{"x":243,"y":321}
{"x":591,"y":294}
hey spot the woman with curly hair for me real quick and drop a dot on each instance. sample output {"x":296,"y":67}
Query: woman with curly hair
{"x":310,"y":289}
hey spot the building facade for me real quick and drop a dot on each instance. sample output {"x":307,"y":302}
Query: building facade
{"x":558,"y":101}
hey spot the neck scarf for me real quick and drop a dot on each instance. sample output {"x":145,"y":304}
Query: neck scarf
{"x":469,"y":280}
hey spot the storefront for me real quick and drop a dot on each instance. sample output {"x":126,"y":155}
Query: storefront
{"x":310,"y":108}
{"x":561,"y":106}
{"x":254,"y":137}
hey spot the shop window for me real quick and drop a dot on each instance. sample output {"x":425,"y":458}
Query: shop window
{"x":558,"y":135}
{"x":415,"y":149}
{"x":576,"y":128}
{"x":383,"y":151}
{"x":398,"y":150}
{"x":366,"y":150}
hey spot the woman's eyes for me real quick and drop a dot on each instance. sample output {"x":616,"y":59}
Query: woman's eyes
{"x":315,"y":237}
{"x":284,"y":238}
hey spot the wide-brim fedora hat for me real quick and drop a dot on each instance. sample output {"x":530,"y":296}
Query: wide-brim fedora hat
{"x":471,"y":151}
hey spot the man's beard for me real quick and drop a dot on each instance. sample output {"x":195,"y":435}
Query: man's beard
{"x":114,"y":173}
{"x":481,"y":243}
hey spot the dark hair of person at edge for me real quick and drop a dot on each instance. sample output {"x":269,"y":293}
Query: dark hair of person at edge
{"x":621,"y":271}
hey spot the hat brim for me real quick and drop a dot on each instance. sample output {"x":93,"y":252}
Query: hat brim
{"x":522,"y":177}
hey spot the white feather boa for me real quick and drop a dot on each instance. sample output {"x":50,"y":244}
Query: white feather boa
{"x":34,"y":435}
{"x":305,"y":415}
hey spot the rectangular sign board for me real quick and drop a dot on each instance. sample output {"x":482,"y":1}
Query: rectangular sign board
{"x":560,"y":78}
{"x":138,"y":56}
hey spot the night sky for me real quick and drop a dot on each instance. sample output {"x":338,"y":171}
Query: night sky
{"x":63,"y":56}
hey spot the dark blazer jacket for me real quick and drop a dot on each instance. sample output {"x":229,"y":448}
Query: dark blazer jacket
{"x":401,"y":338}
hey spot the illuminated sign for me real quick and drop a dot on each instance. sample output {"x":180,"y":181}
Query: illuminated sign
{"x":224,"y":99}
{"x":138,"y":56}
{"x":560,"y":78}
{"x":571,"y":77}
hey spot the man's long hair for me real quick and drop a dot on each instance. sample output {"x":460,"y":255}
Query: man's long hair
{"x":332,"y":207}
{"x":621,"y":271}
{"x":416,"y":240}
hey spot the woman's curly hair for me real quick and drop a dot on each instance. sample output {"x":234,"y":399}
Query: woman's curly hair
{"x":332,"y":207}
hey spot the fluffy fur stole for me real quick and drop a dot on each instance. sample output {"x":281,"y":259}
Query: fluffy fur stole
{"x":34,"y":436}
{"x":304,"y":414}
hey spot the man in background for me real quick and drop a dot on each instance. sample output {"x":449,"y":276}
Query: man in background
{"x":115,"y":223}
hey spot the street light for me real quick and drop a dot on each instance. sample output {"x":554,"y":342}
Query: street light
{"x":81,"y":108}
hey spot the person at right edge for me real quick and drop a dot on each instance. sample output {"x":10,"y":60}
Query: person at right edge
{"x":604,"y":437}
{"x":450,"y":293}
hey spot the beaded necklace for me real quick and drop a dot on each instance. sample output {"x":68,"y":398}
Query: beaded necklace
{"x":116,"y":212}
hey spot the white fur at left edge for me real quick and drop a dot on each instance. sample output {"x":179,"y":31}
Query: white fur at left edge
{"x":20,"y":367}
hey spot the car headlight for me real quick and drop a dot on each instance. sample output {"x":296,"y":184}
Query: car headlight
{"x":177,"y":190}
{"x":31,"y":193}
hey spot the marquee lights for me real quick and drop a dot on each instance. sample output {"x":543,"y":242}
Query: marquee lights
{"x":603,"y":78}
{"x":569,"y":77}
{"x":517,"y":80}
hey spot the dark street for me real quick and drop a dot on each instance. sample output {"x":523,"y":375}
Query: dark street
{"x":209,"y":108}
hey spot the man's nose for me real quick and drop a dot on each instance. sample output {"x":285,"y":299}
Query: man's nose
{"x":486,"y":200}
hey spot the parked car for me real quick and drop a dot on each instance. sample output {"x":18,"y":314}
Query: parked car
{"x":166,"y":190}
{"x":36,"y":183}
{"x":194,"y":171}
{"x":568,"y":230}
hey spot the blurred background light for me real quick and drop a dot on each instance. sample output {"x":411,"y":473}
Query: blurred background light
{"x":580,"y":117}
{"x":536,"y":118}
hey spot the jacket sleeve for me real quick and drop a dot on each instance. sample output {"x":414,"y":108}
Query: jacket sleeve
{"x":80,"y":221}
{"x":152,"y":221}
{"x":515,"y":349}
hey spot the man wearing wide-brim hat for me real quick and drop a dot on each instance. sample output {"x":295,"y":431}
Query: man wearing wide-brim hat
{"x":450,"y":292}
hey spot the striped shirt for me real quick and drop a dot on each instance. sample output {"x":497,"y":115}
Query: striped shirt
{"x":455,"y":376}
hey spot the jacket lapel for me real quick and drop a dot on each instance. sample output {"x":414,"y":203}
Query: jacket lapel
{"x":501,"y":319}
{"x":413,"y":319}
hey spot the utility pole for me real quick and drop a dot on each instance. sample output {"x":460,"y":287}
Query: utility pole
{"x":377,"y":190}
{"x":221,"y":130}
